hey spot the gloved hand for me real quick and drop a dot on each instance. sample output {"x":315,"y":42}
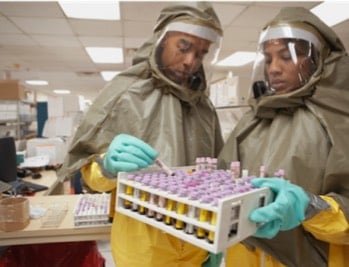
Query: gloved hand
{"x":286,"y":212}
{"x":128,"y":153}
{"x":213,"y":260}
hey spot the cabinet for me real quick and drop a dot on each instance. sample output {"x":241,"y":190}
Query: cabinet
{"x":17,"y":115}
{"x":17,"y":119}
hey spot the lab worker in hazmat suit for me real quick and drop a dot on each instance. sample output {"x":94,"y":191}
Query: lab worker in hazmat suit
{"x":159,"y":107}
{"x":299,"y":123}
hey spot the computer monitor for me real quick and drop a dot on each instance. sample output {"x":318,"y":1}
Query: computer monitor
{"x":8,"y":169}
{"x":8,"y":163}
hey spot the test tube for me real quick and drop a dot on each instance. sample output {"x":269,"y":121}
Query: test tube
{"x":170,"y":206}
{"x":204,"y":216}
{"x":161,"y":202}
{"x":164,"y":167}
{"x":213,"y":221}
{"x":262,"y":171}
{"x":181,"y":209}
{"x":129,"y":192}
{"x":209,"y":164}
{"x":214,"y":162}
{"x":189,"y":228}
{"x":144,"y":197}
{"x":136,"y":194}
{"x":235,"y":169}
{"x":153,"y":199}
{"x":197,"y":164}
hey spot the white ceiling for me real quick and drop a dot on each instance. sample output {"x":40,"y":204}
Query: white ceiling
{"x":37,"y":41}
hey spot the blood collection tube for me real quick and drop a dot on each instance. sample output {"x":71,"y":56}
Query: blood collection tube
{"x":213,"y":221}
{"x":235,"y":169}
{"x":181,"y":208}
{"x":202,"y":164}
{"x":164,"y":167}
{"x":153,"y":199}
{"x":193,"y":195}
{"x":197,"y":164}
{"x":204,"y":216}
{"x":144,"y":197}
{"x":136,"y":194}
{"x":214,"y":162}
{"x":161,"y":201}
{"x":129,"y":192}
{"x":171,"y":205}
{"x":209,"y":164}
{"x":262,"y":171}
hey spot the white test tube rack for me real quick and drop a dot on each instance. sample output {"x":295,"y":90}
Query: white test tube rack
{"x":92,"y":210}
{"x":232,"y":223}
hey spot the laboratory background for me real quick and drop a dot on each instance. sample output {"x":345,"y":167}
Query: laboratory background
{"x":53,"y":64}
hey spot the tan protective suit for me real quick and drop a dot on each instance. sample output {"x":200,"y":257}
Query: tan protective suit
{"x":304,"y":132}
{"x":180,"y":123}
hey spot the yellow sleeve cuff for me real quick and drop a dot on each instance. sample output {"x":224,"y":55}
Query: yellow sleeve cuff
{"x":329,"y":225}
{"x":93,"y":177}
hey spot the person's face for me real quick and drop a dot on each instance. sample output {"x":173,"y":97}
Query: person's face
{"x":182,"y":55}
{"x":285,"y":71}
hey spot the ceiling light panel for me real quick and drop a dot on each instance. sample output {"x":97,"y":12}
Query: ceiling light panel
{"x":103,"y":10}
{"x":112,"y":55}
{"x":332,"y":13}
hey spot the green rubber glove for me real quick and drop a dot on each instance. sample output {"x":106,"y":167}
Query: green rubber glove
{"x":128,"y":153}
{"x":213,"y":260}
{"x":286,"y":212}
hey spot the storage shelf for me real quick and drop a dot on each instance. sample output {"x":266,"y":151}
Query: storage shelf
{"x":16,"y":118}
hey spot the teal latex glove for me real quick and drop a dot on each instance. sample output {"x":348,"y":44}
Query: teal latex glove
{"x":128,"y":153}
{"x":213,"y":260}
{"x":286,"y":212}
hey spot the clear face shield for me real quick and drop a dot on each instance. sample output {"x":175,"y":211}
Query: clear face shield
{"x":287,"y":58}
{"x":186,"y":52}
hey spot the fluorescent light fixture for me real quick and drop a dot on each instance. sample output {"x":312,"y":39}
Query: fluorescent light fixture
{"x":109,"y":75}
{"x":103,"y":10}
{"x":105,"y":54}
{"x":61,"y":92}
{"x":237,"y":59}
{"x":332,"y":13}
{"x":36,"y":82}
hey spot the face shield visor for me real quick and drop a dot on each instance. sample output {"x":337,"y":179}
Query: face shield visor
{"x":286,"y":59}
{"x":186,"y":52}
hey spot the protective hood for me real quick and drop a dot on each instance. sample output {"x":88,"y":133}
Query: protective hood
{"x":334,"y":52}
{"x":303,"y":132}
{"x":179,"y":123}
{"x":200,"y":14}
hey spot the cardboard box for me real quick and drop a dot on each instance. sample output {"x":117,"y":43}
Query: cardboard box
{"x":11,"y":90}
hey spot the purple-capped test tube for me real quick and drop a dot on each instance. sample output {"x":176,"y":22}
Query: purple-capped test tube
{"x":136,"y":192}
{"x":193,"y":195}
{"x":213,"y":220}
{"x":171,"y":204}
{"x":161,"y":200}
{"x":181,"y":207}
{"x":153,"y":198}
{"x":204,"y":215}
